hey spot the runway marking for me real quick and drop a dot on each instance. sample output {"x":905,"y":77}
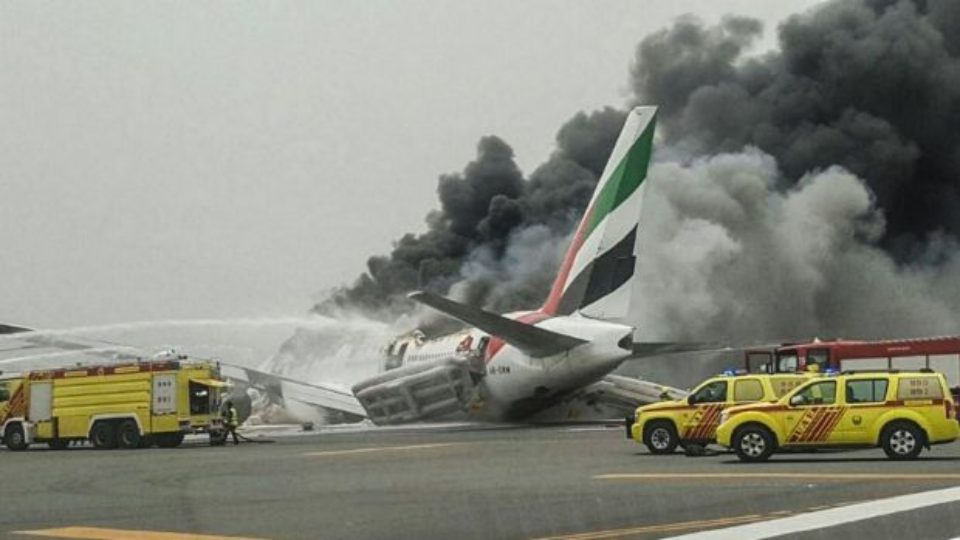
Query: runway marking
{"x":665,"y":527}
{"x":736,"y":521}
{"x":822,"y":519}
{"x":373,"y":449}
{"x":785,"y":476}
{"x":97,"y":533}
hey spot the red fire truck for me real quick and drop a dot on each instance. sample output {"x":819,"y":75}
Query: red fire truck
{"x":940,"y":354}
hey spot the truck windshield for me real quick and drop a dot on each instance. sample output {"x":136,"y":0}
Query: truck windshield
{"x":787,"y":361}
{"x":4,"y":392}
{"x":201,"y":397}
{"x":759,"y":361}
{"x":818,"y":357}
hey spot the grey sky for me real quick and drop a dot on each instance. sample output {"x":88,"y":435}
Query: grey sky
{"x":188,"y":160}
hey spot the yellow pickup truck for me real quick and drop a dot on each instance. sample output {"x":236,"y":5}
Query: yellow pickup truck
{"x":902,"y":412}
{"x":693,"y":420}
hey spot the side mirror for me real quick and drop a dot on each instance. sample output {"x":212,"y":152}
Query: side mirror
{"x":797,"y":400}
{"x":690,"y":400}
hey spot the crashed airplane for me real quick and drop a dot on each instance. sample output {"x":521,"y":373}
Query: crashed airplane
{"x":521,"y":365}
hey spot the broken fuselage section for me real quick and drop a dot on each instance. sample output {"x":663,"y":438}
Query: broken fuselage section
{"x":425,"y":379}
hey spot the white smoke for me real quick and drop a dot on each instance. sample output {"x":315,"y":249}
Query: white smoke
{"x":726,"y":255}
{"x":343,"y":351}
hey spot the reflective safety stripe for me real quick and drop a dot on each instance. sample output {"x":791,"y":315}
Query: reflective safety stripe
{"x":816,"y":425}
{"x":704,"y":423}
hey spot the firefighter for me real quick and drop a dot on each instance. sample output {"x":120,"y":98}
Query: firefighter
{"x":230,"y":420}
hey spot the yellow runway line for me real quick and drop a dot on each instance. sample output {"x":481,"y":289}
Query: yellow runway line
{"x":96,"y":533}
{"x":782,"y":476}
{"x":354,"y":451}
{"x":665,"y":527}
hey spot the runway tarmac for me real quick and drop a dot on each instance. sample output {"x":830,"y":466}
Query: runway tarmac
{"x":558,"y":482}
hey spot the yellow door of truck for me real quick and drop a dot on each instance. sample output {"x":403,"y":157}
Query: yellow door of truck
{"x":813,"y":414}
{"x":865,"y":400}
{"x":707,"y":402}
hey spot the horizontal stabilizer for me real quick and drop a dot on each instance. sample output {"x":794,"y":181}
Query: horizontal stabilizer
{"x":530,"y":339}
{"x":10,"y":329}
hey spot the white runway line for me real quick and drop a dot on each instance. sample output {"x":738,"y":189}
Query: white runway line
{"x":822,"y":519}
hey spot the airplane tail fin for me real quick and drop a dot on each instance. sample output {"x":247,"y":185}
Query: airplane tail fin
{"x":595,"y":276}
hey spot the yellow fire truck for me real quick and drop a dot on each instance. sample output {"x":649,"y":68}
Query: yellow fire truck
{"x":132,"y":405}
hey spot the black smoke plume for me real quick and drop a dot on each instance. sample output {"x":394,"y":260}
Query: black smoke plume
{"x":871,"y":85}
{"x":487,"y":213}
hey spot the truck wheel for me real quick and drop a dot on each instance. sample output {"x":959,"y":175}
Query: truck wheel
{"x":14,"y":438}
{"x":660,"y":437}
{"x":902,"y":440}
{"x":753,"y":443}
{"x":128,"y":435}
{"x":58,"y":444}
{"x":103,"y":436}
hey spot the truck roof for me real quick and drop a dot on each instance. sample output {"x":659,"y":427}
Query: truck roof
{"x":110,"y":369}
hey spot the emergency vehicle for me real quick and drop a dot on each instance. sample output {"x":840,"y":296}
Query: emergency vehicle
{"x":940,"y":354}
{"x":694,"y":419}
{"x":902,"y":412}
{"x":122,"y":405}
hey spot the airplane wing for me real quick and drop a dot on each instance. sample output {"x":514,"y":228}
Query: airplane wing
{"x":611,"y":398}
{"x":19,"y":345}
{"x":532,"y":340}
{"x":630,"y":392}
{"x":317,"y":395}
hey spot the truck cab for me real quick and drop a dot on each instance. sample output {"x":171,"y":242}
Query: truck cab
{"x":9,"y":384}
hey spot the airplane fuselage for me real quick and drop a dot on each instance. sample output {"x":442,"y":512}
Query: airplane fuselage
{"x":511,"y":383}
